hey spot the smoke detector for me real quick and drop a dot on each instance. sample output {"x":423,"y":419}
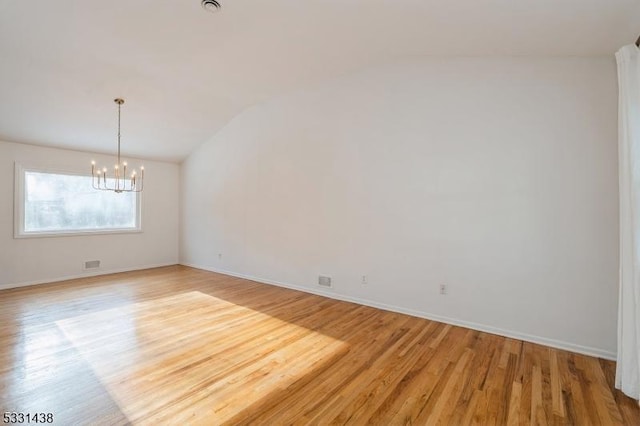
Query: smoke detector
{"x":211,"y":5}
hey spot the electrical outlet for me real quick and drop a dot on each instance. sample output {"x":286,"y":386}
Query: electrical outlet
{"x":443,"y":289}
{"x":365,"y":280}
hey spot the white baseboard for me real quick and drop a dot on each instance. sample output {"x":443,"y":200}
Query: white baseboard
{"x":84,"y":275}
{"x":572,"y":347}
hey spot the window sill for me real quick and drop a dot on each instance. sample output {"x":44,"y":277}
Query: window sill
{"x":76,"y":233}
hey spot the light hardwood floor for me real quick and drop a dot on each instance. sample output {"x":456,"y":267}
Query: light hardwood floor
{"x":183,"y":346}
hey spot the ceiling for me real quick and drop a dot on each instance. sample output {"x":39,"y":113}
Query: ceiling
{"x":184,"y":72}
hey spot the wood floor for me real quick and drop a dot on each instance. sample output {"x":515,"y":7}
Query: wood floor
{"x":178,"y":345}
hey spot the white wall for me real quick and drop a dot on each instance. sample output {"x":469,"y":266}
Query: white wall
{"x":35,"y":260}
{"x":495,"y":176}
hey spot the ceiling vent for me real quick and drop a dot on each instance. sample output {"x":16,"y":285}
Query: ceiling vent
{"x":211,"y":5}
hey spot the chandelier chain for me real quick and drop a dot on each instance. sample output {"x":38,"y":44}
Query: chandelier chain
{"x":119,"y":105}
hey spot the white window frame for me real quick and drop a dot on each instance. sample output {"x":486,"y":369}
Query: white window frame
{"x":19,"y":210}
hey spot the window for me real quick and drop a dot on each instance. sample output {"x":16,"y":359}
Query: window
{"x":62,"y":203}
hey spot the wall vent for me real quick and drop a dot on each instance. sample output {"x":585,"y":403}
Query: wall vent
{"x":324,"y":281}
{"x":91,"y":264}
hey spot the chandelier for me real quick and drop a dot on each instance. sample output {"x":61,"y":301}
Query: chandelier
{"x":119,"y":182}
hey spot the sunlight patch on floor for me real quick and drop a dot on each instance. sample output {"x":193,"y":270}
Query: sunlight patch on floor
{"x":194,"y":357}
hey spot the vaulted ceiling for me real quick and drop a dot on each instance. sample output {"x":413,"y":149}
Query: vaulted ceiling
{"x":185,"y":72}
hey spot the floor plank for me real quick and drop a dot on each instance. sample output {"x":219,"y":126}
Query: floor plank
{"x":184,"y":346}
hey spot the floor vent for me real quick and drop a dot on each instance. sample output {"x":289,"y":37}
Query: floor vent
{"x":91,"y":264}
{"x":324,"y":281}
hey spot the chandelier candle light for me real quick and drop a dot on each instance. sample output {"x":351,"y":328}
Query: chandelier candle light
{"x":99,"y":177}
